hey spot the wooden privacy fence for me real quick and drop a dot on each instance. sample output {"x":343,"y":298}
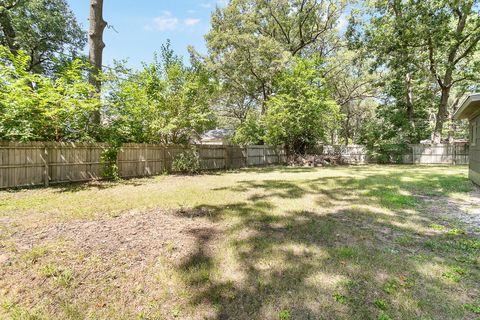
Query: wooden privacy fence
{"x":437,"y":154}
{"x":349,"y":154}
{"x":37,"y":163}
{"x":455,"y":154}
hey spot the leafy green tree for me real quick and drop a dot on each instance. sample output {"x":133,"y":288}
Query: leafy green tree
{"x":429,"y":47}
{"x":352,"y":85}
{"x":166,"y":102}
{"x":251,"y":130}
{"x":253,"y":41}
{"x":36,"y":107}
{"x":46,"y":30}
{"x":301,"y":112}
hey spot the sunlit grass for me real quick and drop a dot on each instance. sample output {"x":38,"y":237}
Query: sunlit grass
{"x":356,"y":242}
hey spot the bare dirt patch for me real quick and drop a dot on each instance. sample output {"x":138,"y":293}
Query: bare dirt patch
{"x":122,"y":264}
{"x":465,"y":210}
{"x":144,"y":234}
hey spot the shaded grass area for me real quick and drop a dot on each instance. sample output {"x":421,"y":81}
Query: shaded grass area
{"x":263,"y":243}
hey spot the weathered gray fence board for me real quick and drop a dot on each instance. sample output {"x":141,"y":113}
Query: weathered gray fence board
{"x":440,"y":154}
{"x":416,"y":154}
{"x":36,"y":163}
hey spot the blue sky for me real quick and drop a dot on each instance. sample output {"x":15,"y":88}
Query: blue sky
{"x":144,"y":25}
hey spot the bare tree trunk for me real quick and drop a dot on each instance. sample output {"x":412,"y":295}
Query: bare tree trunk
{"x":409,"y":98}
{"x":452,"y":125}
{"x":96,"y":44}
{"x":347,"y":125}
{"x":442,"y":114}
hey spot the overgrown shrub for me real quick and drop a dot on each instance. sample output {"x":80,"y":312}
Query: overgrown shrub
{"x":108,"y":160}
{"x":187,"y":162}
{"x":387,"y":153}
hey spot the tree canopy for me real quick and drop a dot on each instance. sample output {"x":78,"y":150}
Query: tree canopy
{"x":45,"y":30}
{"x":296,"y":73}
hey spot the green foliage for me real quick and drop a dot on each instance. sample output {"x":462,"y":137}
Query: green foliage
{"x":108,"y":160}
{"x":251,"y":42}
{"x":46,"y":30}
{"x":384,"y":316}
{"x":187,"y":162}
{"x":301,"y":111}
{"x":65,"y":277}
{"x":345,"y":252}
{"x":475,"y":308}
{"x":352,"y":85}
{"x":454,"y":274}
{"x":391,"y":286}
{"x":165,"y":102}
{"x":385,"y":143}
{"x":48,"y":270}
{"x":284,"y":315}
{"x":387,"y":153}
{"x":251,"y":131}
{"x":381,"y":304}
{"x":35,"y":107}
{"x":340,"y":298}
{"x":427,"y":53}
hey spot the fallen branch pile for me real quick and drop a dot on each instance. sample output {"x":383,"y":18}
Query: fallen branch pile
{"x":312,"y":160}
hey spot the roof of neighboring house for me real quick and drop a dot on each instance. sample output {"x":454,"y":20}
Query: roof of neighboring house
{"x":470,"y":108}
{"x":217,"y":134}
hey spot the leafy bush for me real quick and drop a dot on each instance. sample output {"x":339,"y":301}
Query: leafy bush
{"x":387,"y":153}
{"x":301,"y":111}
{"x":251,"y":131}
{"x":108,"y":160}
{"x":36,"y":107}
{"x":187,"y":162}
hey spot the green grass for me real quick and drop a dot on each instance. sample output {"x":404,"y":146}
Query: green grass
{"x":360,"y":242}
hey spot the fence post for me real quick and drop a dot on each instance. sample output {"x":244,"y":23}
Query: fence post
{"x":146,"y":171}
{"x":164,"y":159}
{"x":264,"y":155}
{"x":46,"y":173}
{"x":454,"y":158}
{"x":117,"y":161}
{"x":225,"y":156}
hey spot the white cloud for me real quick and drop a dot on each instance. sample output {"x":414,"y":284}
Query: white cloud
{"x":210,"y":5}
{"x":165,"y":22}
{"x":191,"y":21}
{"x":213,"y":4}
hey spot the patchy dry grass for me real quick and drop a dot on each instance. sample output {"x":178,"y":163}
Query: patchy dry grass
{"x":376,"y":242}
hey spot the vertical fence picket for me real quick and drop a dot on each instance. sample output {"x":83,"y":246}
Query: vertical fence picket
{"x":37,"y":163}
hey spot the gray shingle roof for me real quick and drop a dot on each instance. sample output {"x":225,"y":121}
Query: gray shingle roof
{"x":217,"y":134}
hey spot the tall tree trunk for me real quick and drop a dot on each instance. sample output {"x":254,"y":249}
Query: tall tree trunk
{"x":409,"y":99}
{"x":442,"y":114}
{"x":96,"y":45}
{"x":452,"y":125}
{"x":347,"y":125}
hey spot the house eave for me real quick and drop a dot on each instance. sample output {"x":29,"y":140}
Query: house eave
{"x":469,"y":109}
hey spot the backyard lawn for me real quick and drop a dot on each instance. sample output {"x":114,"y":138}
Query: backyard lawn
{"x":359,"y":242}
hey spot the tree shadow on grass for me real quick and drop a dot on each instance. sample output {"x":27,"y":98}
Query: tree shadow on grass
{"x":332,"y":266}
{"x":357,"y":263}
